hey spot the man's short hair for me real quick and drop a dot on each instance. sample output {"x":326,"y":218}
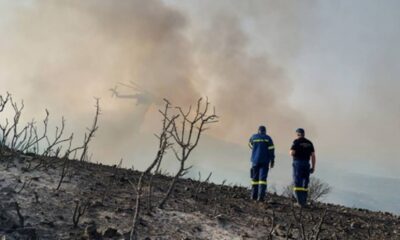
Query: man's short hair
{"x":262,"y":129}
{"x":300,"y":131}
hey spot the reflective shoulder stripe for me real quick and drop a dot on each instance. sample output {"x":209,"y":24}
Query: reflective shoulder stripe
{"x":260,"y":140}
{"x":271,"y":147}
{"x":300,"y":189}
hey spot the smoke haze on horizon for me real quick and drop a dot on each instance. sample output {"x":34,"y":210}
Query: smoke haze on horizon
{"x":328,"y":67}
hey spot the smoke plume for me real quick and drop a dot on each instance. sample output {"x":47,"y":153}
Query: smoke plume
{"x":61,"y":54}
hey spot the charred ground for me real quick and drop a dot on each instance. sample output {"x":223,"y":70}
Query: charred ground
{"x":100,"y":200}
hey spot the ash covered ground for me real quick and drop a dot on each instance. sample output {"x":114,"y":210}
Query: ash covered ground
{"x":31,"y":207}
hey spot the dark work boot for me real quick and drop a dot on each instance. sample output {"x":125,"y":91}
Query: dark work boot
{"x":254,"y":192}
{"x":262,"y":192}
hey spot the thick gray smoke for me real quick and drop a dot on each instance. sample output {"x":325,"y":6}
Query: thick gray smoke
{"x":60,"y":54}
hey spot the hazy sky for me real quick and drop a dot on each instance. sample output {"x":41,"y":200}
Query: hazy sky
{"x":328,"y":66}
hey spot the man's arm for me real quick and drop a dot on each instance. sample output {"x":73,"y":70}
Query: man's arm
{"x":313,"y":162}
{"x":313,"y":158}
{"x":251,"y":143}
{"x":293,"y":149}
{"x":271,"y":149}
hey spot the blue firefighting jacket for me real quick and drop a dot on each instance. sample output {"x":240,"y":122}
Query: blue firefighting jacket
{"x":263,"y":149}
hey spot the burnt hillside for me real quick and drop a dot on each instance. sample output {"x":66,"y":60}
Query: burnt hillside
{"x":31,"y":207}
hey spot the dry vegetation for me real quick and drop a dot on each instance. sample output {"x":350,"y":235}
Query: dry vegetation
{"x":49,"y":190}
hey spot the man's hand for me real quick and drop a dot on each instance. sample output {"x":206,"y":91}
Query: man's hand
{"x":272,"y":164}
{"x":312,"y":170}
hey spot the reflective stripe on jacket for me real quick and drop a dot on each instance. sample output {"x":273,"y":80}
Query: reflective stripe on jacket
{"x":263,"y":149}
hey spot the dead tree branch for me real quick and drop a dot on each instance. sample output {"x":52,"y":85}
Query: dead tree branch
{"x":299,"y":221}
{"x":288,"y":231}
{"x":64,"y":172}
{"x":188,"y":136}
{"x":27,"y":182}
{"x":79,"y":212}
{"x":65,"y":167}
{"x":91,"y":132}
{"x":164,"y":144}
{"x":59,"y":132}
{"x":198,"y":189}
{"x":4,"y":101}
{"x":319,"y":226}
{"x":271,"y":230}
{"x":20,"y":217}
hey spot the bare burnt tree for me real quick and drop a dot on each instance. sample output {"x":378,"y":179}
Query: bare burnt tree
{"x":299,"y":220}
{"x":88,"y":137}
{"x":79,"y":212}
{"x":28,"y":138}
{"x":200,"y":184}
{"x":311,"y":234}
{"x":3,"y":104}
{"x":91,"y":132}
{"x":58,"y":140}
{"x":187,"y":136}
{"x":33,"y":137}
{"x":11,"y":132}
{"x":318,"y":228}
{"x":4,"y":101}
{"x":318,"y":189}
{"x":65,"y":167}
{"x":272,"y":227}
{"x":27,"y":182}
{"x":164,"y":144}
{"x":20,"y":216}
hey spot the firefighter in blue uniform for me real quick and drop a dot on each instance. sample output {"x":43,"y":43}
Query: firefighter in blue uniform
{"x":262,"y":158}
{"x":302,"y":151}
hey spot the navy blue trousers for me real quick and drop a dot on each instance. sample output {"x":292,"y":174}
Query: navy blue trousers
{"x":259,"y":174}
{"x":301,"y":179}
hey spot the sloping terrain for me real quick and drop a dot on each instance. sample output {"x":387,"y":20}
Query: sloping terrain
{"x":31,"y":207}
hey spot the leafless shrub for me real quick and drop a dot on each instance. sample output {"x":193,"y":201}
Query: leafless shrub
{"x":288,"y":191}
{"x":32,"y":132}
{"x":90,"y":134}
{"x":318,"y":228}
{"x":272,"y":227}
{"x":27,"y":182}
{"x":317,"y":190}
{"x":88,"y":137}
{"x":187,"y":136}
{"x":299,"y":220}
{"x":289,"y":229}
{"x":10,"y":130}
{"x":164,"y":144}
{"x":58,"y":139}
{"x":311,"y":234}
{"x":3,"y":104}
{"x":64,"y":172}
{"x":201,"y":183}
{"x":29,"y":138}
{"x":3,"y":101}
{"x":20,"y":216}
{"x":79,"y":212}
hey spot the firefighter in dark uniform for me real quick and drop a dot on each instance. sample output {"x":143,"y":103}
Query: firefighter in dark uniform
{"x":262,"y":158}
{"x":302,"y":151}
